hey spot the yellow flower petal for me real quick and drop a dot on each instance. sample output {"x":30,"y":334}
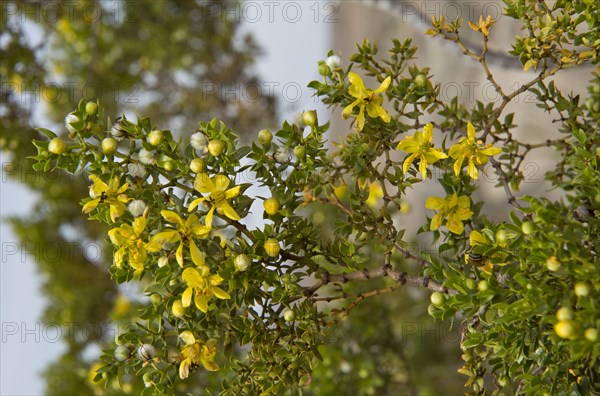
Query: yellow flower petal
{"x":357,"y":87}
{"x":360,"y":119}
{"x":435,"y":203}
{"x":201,"y":302}
{"x":139,"y":224}
{"x":171,"y":217}
{"x":187,"y":337}
{"x":384,"y":85}
{"x":220,"y":293}
{"x":228,"y":211}
{"x":233,"y":192}
{"x":91,"y":205}
{"x":470,"y":131}
{"x":221,"y":182}
{"x":197,"y":256}
{"x":179,"y":254}
{"x":203,"y":184}
{"x":195,"y":203}
{"x":186,"y":298}
{"x":209,"y":364}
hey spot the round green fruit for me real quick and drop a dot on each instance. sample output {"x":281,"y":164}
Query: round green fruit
{"x":242,"y":262}
{"x":483,"y":285}
{"x":272,"y":247}
{"x":289,"y":315}
{"x":300,"y":152}
{"x":324,"y":70}
{"x":122,"y":353}
{"x":265,"y":136}
{"x":582,"y":289}
{"x":568,"y":329}
{"x":591,"y":335}
{"x":155,"y":299}
{"x":155,"y":137}
{"x":178,"y":309}
{"x":169,"y":165}
{"x":501,"y":236}
{"x":437,"y":298}
{"x":310,"y":118}
{"x":470,"y":284}
{"x":109,"y":146}
{"x":271,"y":206}
{"x":420,"y":80}
{"x":57,"y":146}
{"x":564,"y":313}
{"x":216,"y":147}
{"x":528,"y":228}
{"x":91,"y":108}
{"x":552,"y":263}
{"x":197,"y":165}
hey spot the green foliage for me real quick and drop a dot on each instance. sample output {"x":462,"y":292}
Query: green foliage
{"x":269,"y":326}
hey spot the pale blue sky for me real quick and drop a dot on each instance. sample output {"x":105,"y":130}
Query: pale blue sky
{"x":294,"y":37}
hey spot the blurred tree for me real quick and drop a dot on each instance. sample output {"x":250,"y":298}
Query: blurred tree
{"x":169,"y":58}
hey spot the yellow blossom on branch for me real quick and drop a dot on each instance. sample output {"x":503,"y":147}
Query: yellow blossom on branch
{"x":473,"y":151}
{"x":111,"y":194}
{"x":195,"y":352}
{"x":453,"y":208}
{"x":201,"y":286}
{"x":185,"y":233}
{"x":218,"y":196}
{"x":366,"y":99}
{"x":484,"y":26}
{"x":131,"y":246}
{"x":420,"y":147}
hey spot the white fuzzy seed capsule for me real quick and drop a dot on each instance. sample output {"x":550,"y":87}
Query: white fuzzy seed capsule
{"x":146,"y":352}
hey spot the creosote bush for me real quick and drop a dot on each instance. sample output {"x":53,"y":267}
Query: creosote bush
{"x":258,"y":301}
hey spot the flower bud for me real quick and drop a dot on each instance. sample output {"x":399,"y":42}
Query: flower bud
{"x":122,"y":353}
{"x":216,"y":147}
{"x":265,"y":136}
{"x":271,"y":206}
{"x":197,"y":165}
{"x":109,"y":146}
{"x":309,"y":117}
{"x":242,"y":262}
{"x":324,"y":70}
{"x":272,"y":247}
{"x":91,"y":108}
{"x":57,"y":146}
{"x":155,"y":137}
{"x":178,"y":309}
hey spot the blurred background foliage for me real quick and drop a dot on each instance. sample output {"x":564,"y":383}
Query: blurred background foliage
{"x":167,"y":59}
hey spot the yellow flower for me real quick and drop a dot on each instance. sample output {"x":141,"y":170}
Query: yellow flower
{"x":366,"y":98}
{"x":456,"y":209}
{"x":470,"y":149}
{"x":111,"y":194}
{"x":202,"y":287}
{"x":419,"y":147}
{"x":127,"y":238}
{"x":195,"y":352}
{"x":185,"y":233}
{"x":219,"y":194}
{"x":484,"y":26}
